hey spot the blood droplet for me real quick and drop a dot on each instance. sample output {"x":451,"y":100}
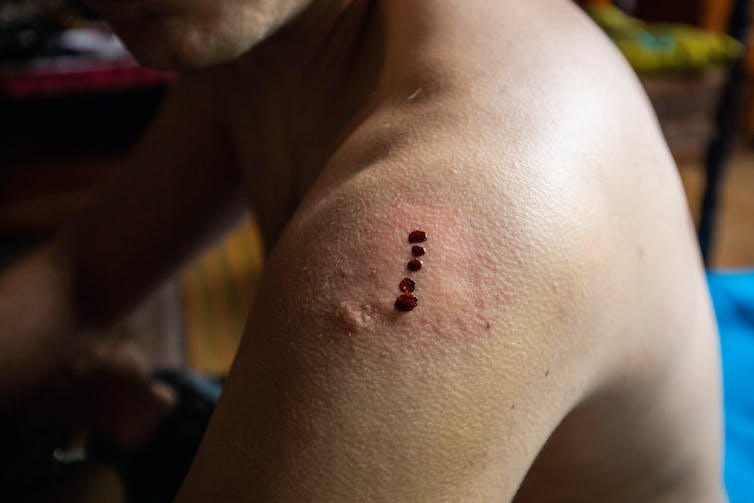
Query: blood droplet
{"x":417,"y":237}
{"x":414,"y":265}
{"x":418,"y":251}
{"x":407,"y":285}
{"x":406,"y":302}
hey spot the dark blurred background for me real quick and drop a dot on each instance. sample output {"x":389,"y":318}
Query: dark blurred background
{"x":73,"y":101}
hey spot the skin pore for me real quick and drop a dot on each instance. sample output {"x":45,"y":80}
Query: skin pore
{"x":563,"y":347}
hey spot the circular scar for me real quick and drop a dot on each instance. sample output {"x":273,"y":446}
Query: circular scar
{"x":355,"y":316}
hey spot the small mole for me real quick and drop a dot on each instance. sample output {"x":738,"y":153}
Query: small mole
{"x":547,"y":372}
{"x":414,"y":265}
{"x":406,"y":302}
{"x":417,"y":237}
{"x":418,"y":251}
{"x":407,"y":285}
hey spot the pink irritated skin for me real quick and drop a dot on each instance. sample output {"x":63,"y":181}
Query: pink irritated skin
{"x":461,"y":286}
{"x":364,"y":272}
{"x":332,"y":286}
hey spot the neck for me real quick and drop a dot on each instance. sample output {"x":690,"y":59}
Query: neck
{"x":321,"y":71}
{"x":307,"y":87}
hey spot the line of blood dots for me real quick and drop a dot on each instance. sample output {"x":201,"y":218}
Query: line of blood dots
{"x":406,"y":301}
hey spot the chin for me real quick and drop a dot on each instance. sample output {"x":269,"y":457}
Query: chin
{"x":175,"y":44}
{"x":193,"y":34}
{"x":182,"y":52}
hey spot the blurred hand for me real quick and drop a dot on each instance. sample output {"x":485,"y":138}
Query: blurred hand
{"x":105,"y":390}
{"x":51,"y":373}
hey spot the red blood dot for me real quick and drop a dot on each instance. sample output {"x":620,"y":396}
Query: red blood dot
{"x":406,"y":302}
{"x":418,"y":251}
{"x":407,"y":285}
{"x":414,"y":265}
{"x":417,"y":237}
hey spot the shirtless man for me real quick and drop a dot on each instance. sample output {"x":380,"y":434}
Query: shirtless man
{"x":563,"y":346}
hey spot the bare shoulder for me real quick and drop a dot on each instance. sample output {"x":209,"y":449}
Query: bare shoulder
{"x":338,"y":395}
{"x":534,"y":246}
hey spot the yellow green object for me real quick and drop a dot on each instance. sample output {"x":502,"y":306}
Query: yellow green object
{"x":652,"y":48}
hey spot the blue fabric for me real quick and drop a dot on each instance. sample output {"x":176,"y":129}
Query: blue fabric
{"x":733,"y":298}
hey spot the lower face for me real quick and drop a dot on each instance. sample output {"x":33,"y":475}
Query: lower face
{"x":175,"y":34}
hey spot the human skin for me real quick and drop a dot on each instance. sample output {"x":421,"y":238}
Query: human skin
{"x":563,"y":348}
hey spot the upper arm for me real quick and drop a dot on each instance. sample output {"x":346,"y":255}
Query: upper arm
{"x":176,"y":186}
{"x":337,"y":396}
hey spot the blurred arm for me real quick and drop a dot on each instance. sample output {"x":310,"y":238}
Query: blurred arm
{"x":177,"y":188}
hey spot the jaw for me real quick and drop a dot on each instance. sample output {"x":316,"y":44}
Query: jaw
{"x":191,"y":34}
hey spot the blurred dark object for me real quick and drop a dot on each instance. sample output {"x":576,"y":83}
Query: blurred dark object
{"x":728,"y":116}
{"x":682,"y":68}
{"x":59,"y":152}
{"x":27,"y":25}
{"x":155,"y":473}
{"x":685,"y":106}
{"x":39,"y":459}
{"x":665,"y":48}
{"x":72,"y":76}
{"x":627,"y":6}
{"x":70,"y":55}
{"x":29,"y":467}
{"x":671,"y":11}
{"x":73,"y":103}
{"x":708,"y":14}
